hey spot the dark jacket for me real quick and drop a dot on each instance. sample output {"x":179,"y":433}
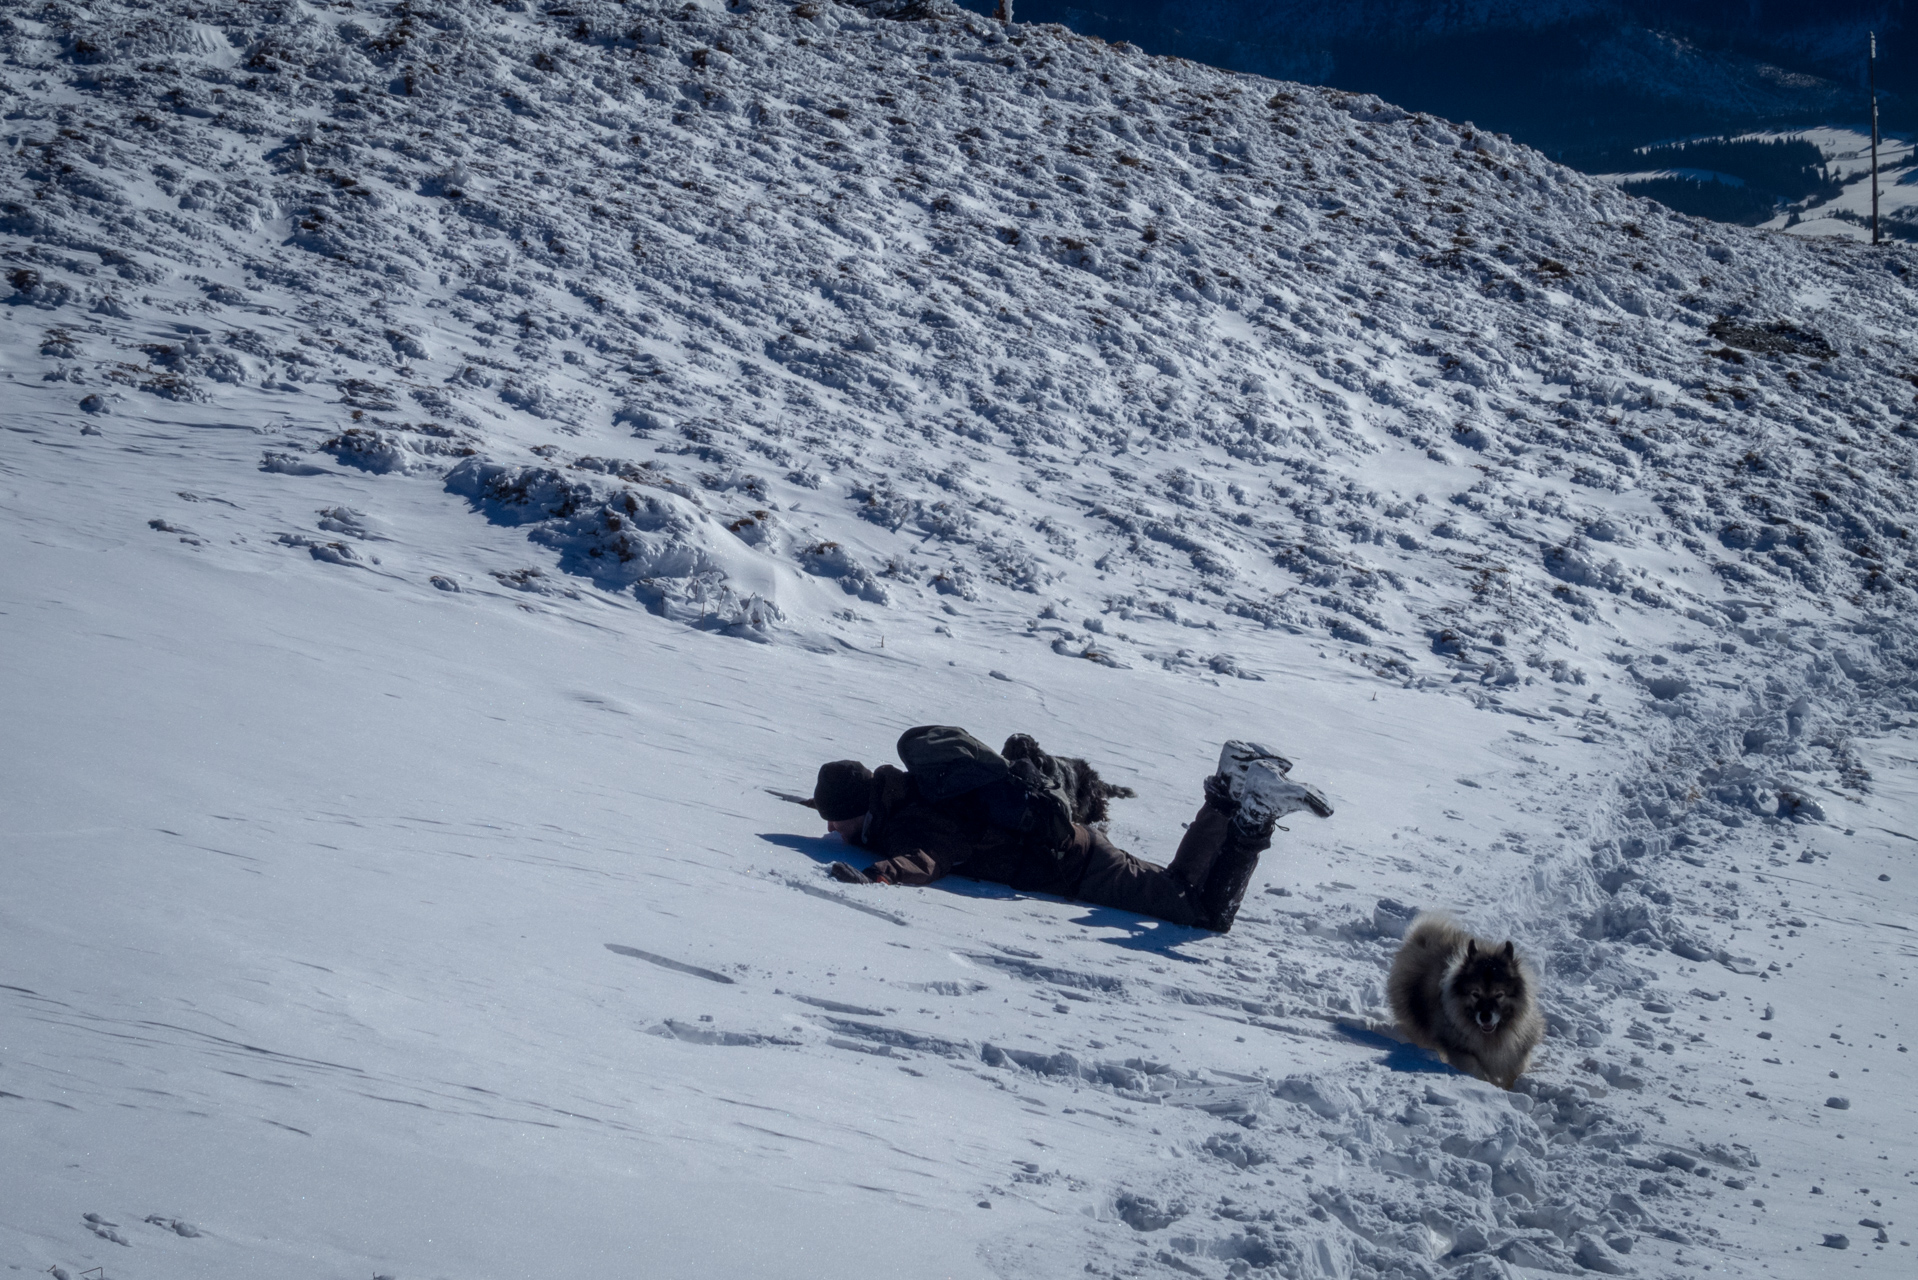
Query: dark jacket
{"x":918,"y":841}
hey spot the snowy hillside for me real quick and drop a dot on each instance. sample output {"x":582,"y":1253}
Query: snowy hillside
{"x":459,"y":456}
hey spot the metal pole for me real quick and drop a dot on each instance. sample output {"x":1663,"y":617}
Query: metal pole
{"x":1871,"y":82}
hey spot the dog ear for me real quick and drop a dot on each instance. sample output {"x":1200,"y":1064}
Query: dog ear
{"x":1509,"y":953}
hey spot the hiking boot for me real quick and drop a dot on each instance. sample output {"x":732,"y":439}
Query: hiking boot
{"x":1255,"y":778}
{"x":1236,"y":756}
{"x":847,"y":874}
{"x":1251,"y":789}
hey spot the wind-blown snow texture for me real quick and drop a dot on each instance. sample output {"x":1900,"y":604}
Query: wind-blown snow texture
{"x":438,"y":396}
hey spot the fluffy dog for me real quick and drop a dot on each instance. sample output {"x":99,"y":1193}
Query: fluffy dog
{"x":1469,"y":1001}
{"x":1089,"y":791}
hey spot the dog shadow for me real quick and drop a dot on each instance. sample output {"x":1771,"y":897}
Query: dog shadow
{"x":1399,"y":1054}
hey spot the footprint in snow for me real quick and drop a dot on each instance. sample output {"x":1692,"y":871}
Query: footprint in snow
{"x":186,"y":535}
{"x":945,"y":988}
{"x":174,"y":1225}
{"x":105,"y":1230}
{"x":287,"y":464}
{"x":842,"y":900}
{"x":348,"y":521}
{"x":665,"y":963}
{"x":694,"y":1033}
{"x":834,"y":1006}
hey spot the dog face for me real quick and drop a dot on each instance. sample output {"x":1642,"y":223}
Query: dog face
{"x":1489,"y":988}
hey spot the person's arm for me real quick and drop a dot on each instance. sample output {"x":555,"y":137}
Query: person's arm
{"x":916,"y":867}
{"x":918,"y":850}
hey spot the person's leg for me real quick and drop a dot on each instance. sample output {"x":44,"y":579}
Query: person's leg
{"x":1203,"y":841}
{"x":1218,"y":855}
{"x":1218,"y":900}
{"x":1114,"y":878}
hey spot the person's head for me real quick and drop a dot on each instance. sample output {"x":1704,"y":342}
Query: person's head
{"x":851,"y":830}
{"x":842,"y":794}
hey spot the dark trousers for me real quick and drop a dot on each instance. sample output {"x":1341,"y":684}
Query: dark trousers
{"x":1115,"y":878}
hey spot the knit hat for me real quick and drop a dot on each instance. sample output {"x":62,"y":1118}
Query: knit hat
{"x":844,"y":790}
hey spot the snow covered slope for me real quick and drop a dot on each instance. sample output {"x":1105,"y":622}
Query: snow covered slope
{"x":459,"y":455}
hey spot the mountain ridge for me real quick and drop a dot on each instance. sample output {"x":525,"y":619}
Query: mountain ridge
{"x":1576,"y":79}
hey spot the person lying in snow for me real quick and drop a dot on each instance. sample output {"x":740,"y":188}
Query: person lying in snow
{"x":1027,"y":819}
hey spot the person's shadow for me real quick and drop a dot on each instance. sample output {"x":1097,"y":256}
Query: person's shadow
{"x":1140,"y":933}
{"x":1144,"y":933}
{"x":821,"y":849}
{"x":826,"y":850}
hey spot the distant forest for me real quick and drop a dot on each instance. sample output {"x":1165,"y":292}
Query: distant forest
{"x":1719,"y":201}
{"x":1775,"y":171}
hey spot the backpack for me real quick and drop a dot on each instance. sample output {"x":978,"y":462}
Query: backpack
{"x":1032,"y":795}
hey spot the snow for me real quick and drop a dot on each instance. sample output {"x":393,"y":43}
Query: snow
{"x":411,"y":597}
{"x":1657,"y":175}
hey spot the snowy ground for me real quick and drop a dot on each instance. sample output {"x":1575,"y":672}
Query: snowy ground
{"x":458,"y":458}
{"x":1654,"y":175}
